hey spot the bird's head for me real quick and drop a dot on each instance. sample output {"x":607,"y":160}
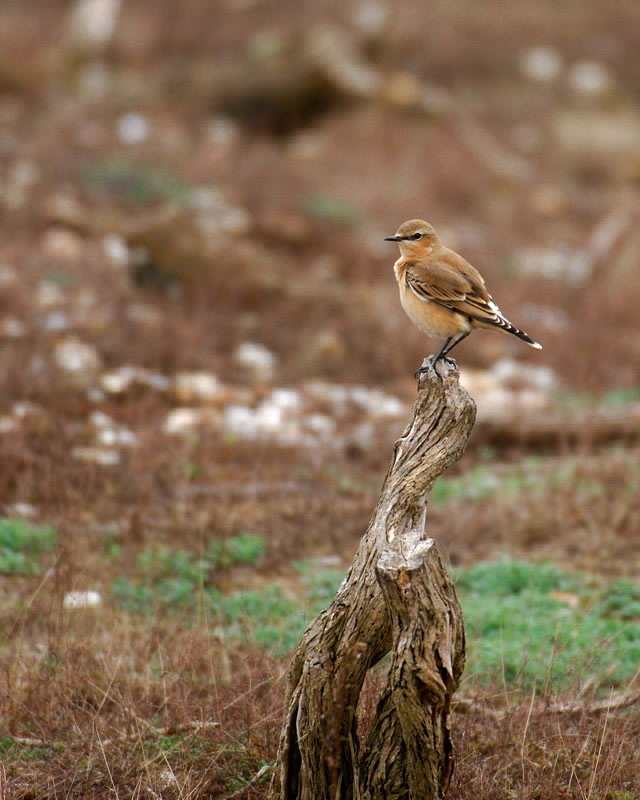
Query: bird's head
{"x":416,"y":238}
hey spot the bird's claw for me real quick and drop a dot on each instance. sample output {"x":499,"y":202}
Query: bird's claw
{"x":432,"y":366}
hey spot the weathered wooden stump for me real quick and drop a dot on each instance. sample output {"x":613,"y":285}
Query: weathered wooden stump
{"x":396,"y":597}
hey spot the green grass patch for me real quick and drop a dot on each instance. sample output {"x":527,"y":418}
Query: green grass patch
{"x":537,"y":623}
{"x":22,"y":545}
{"x":526,"y":623}
{"x":180,"y":582}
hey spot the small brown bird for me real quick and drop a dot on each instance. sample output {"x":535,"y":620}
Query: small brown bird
{"x":442,"y":293}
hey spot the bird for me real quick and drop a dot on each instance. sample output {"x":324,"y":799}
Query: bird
{"x":441,"y":293}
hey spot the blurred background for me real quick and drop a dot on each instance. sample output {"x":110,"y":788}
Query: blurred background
{"x":204,"y":360}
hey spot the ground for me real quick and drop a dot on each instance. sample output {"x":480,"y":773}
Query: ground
{"x":205,"y":365}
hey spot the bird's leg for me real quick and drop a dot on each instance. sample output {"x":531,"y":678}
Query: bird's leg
{"x":433,"y":364}
{"x":451,"y":342}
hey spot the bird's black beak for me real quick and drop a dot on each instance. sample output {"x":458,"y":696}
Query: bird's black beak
{"x":393,"y":238}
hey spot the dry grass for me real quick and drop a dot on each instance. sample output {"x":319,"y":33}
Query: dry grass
{"x":99,"y":704}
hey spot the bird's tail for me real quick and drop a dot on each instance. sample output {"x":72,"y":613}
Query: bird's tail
{"x":494,"y":318}
{"x":510,"y":328}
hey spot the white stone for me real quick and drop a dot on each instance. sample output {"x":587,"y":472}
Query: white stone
{"x":56,"y":321}
{"x":76,"y":357}
{"x":118,"y":381}
{"x":542,"y":64}
{"x":88,"y":599}
{"x":93,"y":22}
{"x":256,"y":358}
{"x":182,"y":421}
{"x":286,"y":399}
{"x":100,"y":420}
{"x":268,"y":418}
{"x":19,"y":509}
{"x":117,"y":437}
{"x":133,"y":128}
{"x":589,"y":78}
{"x":240,"y":421}
{"x":24,"y":408}
{"x":191,"y":386}
{"x":154,"y":380}
{"x":116,"y":250}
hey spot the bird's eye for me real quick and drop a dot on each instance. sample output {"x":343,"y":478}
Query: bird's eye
{"x":417,"y":236}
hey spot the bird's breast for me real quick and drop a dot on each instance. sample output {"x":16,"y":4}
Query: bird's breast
{"x":431,"y":318}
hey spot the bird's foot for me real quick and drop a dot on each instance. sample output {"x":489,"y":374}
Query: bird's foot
{"x":432,"y":366}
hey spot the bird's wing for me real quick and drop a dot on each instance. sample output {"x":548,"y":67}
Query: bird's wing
{"x":463,"y":292}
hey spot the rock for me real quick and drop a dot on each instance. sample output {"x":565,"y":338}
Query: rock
{"x":56,"y":321}
{"x":79,"y":360}
{"x":289,"y":400}
{"x":117,"y":437}
{"x":109,"y":434}
{"x":26,"y":510}
{"x":239,"y":420}
{"x":192,"y":387}
{"x":133,"y":128}
{"x":590,"y":78}
{"x":92,"y":24}
{"x":256,"y":359}
{"x":87,"y":599}
{"x":116,"y":250}
{"x":186,"y":421}
{"x":123,"y":378}
{"x":543,"y":64}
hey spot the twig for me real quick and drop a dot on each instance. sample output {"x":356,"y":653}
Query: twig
{"x":613,"y":703}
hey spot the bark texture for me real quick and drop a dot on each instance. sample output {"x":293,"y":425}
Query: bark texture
{"x":396,"y":596}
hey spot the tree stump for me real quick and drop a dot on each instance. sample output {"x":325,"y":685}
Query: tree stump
{"x":396,"y":597}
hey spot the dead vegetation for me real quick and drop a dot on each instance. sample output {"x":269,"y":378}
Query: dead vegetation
{"x":147,"y":223}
